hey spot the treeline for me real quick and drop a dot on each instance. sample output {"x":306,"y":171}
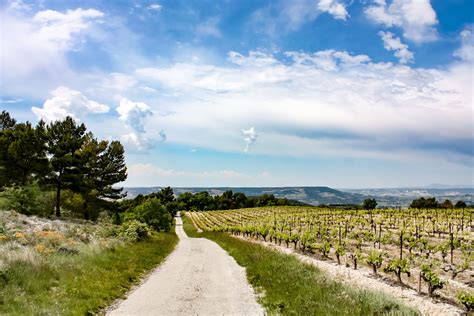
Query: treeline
{"x":47,"y":168}
{"x":433,"y":203}
{"x":203,"y":201}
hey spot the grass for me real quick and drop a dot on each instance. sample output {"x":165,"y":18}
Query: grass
{"x":291,"y":287}
{"x":75,"y":283}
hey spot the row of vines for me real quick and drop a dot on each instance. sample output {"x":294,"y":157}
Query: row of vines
{"x":432,"y":249}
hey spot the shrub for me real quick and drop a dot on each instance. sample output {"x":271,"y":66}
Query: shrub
{"x":375,"y":260}
{"x":398,"y":266}
{"x":134,"y":230}
{"x":466,"y":299}
{"x":432,"y":278}
{"x":153,"y":213}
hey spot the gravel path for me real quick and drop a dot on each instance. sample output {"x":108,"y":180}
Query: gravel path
{"x":198,"y":278}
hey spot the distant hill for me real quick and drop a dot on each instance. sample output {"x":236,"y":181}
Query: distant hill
{"x":326,"y":195}
{"x":404,"y":196}
{"x":309,"y":195}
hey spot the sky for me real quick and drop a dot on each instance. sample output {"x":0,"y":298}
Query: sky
{"x":347,"y":94}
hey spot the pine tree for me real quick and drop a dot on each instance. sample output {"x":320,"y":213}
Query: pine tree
{"x":64,"y":140}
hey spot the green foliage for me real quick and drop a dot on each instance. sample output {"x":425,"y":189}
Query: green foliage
{"x":424,"y":203}
{"x":203,"y":201}
{"x":466,"y":299}
{"x":134,"y":230}
{"x":295,"y":288}
{"x":153,"y":213}
{"x":375,"y":260}
{"x":432,"y":278}
{"x":80,"y":284}
{"x":446,"y":204}
{"x":460,"y":204}
{"x":398,"y":266}
{"x":22,"y":154}
{"x":324,"y":248}
{"x":60,"y":156}
{"x":28,"y":200}
{"x":369,"y":204}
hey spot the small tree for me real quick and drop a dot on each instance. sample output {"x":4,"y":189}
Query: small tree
{"x":369,"y":204}
{"x":398,"y":266}
{"x":375,"y":260}
{"x":460,"y":204}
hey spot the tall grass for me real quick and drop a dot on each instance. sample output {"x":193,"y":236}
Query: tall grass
{"x":290,"y":287}
{"x":77,"y":283}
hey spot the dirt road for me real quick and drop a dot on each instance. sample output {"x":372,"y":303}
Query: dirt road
{"x":198,"y":278}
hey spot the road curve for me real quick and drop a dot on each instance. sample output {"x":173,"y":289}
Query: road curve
{"x":198,"y":278}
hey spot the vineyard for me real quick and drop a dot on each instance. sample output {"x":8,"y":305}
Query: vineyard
{"x":431,"y":251}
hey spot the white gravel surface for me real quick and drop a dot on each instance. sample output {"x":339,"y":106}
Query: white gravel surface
{"x":198,"y":278}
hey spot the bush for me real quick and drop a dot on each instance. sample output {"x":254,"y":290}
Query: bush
{"x":153,"y":213}
{"x":466,"y":299}
{"x":134,"y":230}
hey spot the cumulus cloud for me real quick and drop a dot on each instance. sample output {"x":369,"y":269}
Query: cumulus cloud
{"x":250,"y":137}
{"x":134,"y":114}
{"x":333,"y":7}
{"x":322,"y":103}
{"x":137,"y":143}
{"x":393,"y":43}
{"x":34,"y":47}
{"x":67,"y":102}
{"x":417,"y":18}
{"x":466,"y":51}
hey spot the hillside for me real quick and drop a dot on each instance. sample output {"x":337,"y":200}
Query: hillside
{"x":309,"y":195}
{"x":325,"y":195}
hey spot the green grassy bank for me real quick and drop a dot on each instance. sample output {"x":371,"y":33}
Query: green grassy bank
{"x":49,"y":272}
{"x":291,"y":287}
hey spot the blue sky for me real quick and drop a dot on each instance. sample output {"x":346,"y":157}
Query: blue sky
{"x":348,"y":94}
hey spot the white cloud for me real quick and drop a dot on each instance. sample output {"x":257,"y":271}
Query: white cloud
{"x":133,"y":113}
{"x":155,"y":7}
{"x":281,"y":17}
{"x":322,"y":103}
{"x":137,"y":142}
{"x":466,"y":51}
{"x":417,"y":18}
{"x":250,"y":137}
{"x":67,"y":102}
{"x":335,"y":8}
{"x":34,"y":48}
{"x":18,"y":5}
{"x":393,"y":43}
{"x":147,"y":174}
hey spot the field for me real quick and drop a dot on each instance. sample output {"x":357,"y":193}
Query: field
{"x":428,"y":250}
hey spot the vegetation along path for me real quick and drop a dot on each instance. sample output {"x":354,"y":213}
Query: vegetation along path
{"x":198,"y":278}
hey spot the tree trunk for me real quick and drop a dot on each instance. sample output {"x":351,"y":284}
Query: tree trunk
{"x":58,"y":199}
{"x":86,"y":211}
